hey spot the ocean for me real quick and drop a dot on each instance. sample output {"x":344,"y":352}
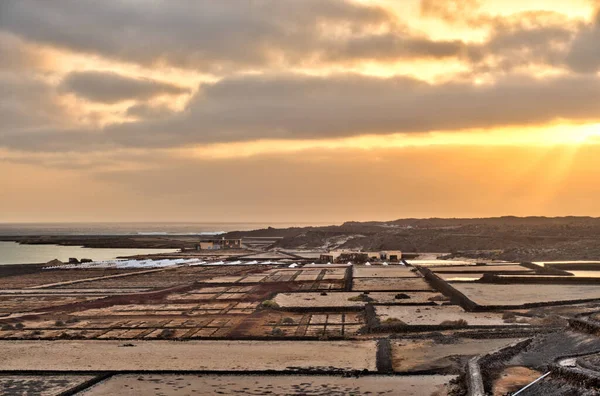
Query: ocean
{"x":14,"y":253}
{"x":137,"y":228}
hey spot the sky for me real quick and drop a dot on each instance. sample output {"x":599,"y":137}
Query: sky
{"x":298,"y":110}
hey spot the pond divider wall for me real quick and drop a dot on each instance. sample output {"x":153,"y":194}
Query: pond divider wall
{"x":480,"y":368}
{"x":584,"y":324}
{"x":522,"y":280}
{"x":384,"y":356}
{"x":349,"y":278}
{"x":446,"y":289}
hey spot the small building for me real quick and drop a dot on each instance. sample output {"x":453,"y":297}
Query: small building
{"x":344,"y":256}
{"x":328,"y":257}
{"x":391,"y":255}
{"x":218,"y":244}
{"x":341,"y":256}
{"x":353,"y":257}
{"x":373,"y":256}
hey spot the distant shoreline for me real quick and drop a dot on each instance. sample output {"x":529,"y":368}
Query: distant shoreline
{"x":503,"y":238}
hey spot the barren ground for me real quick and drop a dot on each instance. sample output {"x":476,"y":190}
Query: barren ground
{"x":271,"y":385}
{"x":190,"y":355}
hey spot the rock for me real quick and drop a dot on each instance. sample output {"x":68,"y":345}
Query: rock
{"x":54,"y":262}
{"x":73,"y":260}
{"x":85,"y":260}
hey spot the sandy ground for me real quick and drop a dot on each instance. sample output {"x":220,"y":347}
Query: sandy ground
{"x":39,"y":385}
{"x":54,"y":276}
{"x":316,"y":300}
{"x":492,"y":294}
{"x":384,"y":272}
{"x":435,"y":315}
{"x":67,"y":292}
{"x":269,"y":385}
{"x":166,"y":277}
{"x":191,"y":355}
{"x":340,"y":299}
{"x":388,"y":284}
{"x":514,"y":378}
{"x":13,"y":304}
{"x":416,"y":355}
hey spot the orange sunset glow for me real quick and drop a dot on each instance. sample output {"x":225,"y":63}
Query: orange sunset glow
{"x":283,"y":110}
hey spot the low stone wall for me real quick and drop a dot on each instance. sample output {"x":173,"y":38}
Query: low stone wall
{"x":446,"y":289}
{"x":481,"y":369}
{"x":371,"y":319}
{"x":349,"y":278}
{"x":577,"y":376}
{"x":384,"y":356}
{"x":585,"y":324}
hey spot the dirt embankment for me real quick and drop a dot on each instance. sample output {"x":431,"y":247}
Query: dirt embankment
{"x":506,"y":238}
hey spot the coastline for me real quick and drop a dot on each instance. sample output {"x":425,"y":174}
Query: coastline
{"x":502,"y":238}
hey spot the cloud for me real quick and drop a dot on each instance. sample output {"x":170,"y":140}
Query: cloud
{"x":584,"y":55}
{"x":145,"y":111}
{"x":531,"y":38}
{"x":108,"y":87}
{"x":449,"y":10}
{"x":27,"y":102}
{"x":212,"y":35}
{"x":228,"y":37}
{"x":16,"y":55}
{"x":391,"y":46}
{"x":303,"y":107}
{"x":266,"y":105}
{"x":295,"y":106}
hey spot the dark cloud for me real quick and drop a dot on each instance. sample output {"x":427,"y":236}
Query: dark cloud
{"x":211,"y":35}
{"x":33,"y":117}
{"x":27,"y":102}
{"x":525,"y":39}
{"x":241,"y":107}
{"x":294,"y":106}
{"x":15,"y":54}
{"x":145,"y":111}
{"x":306,"y":107}
{"x":111,"y":87}
{"x":530,"y":38}
{"x":584,"y":55}
{"x":390,"y":46}
{"x":224,"y":36}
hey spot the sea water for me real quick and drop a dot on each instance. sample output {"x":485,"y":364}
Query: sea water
{"x":14,"y":253}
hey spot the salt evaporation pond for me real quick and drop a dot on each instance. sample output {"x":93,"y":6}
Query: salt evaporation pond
{"x":148,"y":264}
{"x":585,"y":274}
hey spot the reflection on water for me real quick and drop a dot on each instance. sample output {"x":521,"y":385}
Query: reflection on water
{"x":586,"y":274}
{"x":462,"y":279}
{"x":439,"y":263}
{"x":13,"y":253}
{"x":558,"y":263}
